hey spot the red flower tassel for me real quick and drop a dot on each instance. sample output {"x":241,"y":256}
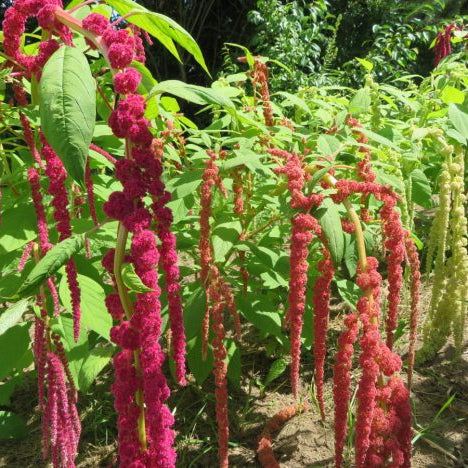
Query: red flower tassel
{"x":321,"y":311}
{"x":220,"y":368}
{"x":413,"y":261}
{"x":57,"y":176}
{"x":341,"y":383}
{"x":303,"y":227}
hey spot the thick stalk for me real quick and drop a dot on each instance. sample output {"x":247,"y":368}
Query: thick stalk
{"x":361,"y":248}
{"x":122,"y":236}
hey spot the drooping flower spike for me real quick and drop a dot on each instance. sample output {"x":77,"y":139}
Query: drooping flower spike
{"x":57,"y":176}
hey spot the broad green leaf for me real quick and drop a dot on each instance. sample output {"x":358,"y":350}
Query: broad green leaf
{"x":328,"y":144}
{"x":233,"y":363}
{"x":365,"y":63}
{"x":164,"y":29}
{"x":12,"y":426}
{"x":224,"y":237}
{"x":244,"y":157}
{"x":457,"y":136}
{"x":14,"y":346}
{"x":192,"y":93}
{"x":421,"y":191}
{"x":459,"y":119}
{"x":94,"y":315}
{"x":349,"y":291}
{"x":380,"y":139}
{"x":330,"y":221}
{"x":272,"y":280}
{"x":19,"y":226}
{"x":55,"y":258}
{"x":350,"y":254}
{"x":186,"y":183}
{"x":9,"y":282}
{"x":76,"y":351}
{"x":147,"y":80}
{"x":194,"y":310}
{"x":262,"y":315}
{"x":7,"y":388}
{"x":181,"y":207}
{"x":132,"y":280}
{"x":293,"y":99}
{"x":452,"y":95}
{"x":68,"y":107}
{"x":360,"y":101}
{"x":93,"y":364}
{"x":198,"y":367}
{"x":277,"y":369}
{"x":12,"y":315}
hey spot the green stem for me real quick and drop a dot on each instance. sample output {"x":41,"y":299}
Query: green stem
{"x":122,"y":236}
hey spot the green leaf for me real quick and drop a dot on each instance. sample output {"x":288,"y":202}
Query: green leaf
{"x":198,"y":367}
{"x":14,"y":346}
{"x":192,"y":93}
{"x":194,"y":310}
{"x":233,"y":363}
{"x":55,"y":258}
{"x":186,"y":183}
{"x":225,"y":235}
{"x":360,"y":102}
{"x":19,"y":226}
{"x":10,"y":282}
{"x":93,"y":364}
{"x":94,"y":315}
{"x":262,"y":315}
{"x":76,"y":352}
{"x":181,"y":207}
{"x":349,"y":291}
{"x":147,"y":80}
{"x":457,"y":136}
{"x":68,"y":107}
{"x":293,"y":99}
{"x":132,"y":280}
{"x":458,"y":119}
{"x":243,"y":157}
{"x":451,"y":95}
{"x":12,"y":426}
{"x":365,"y":63}
{"x":421,"y":192}
{"x":11,"y":316}
{"x":328,"y":144}
{"x":330,"y":221}
{"x":380,"y":139}
{"x":164,"y":29}
{"x":276,"y":370}
{"x":7,"y":388}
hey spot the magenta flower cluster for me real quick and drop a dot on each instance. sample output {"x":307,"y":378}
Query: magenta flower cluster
{"x":140,"y":386}
{"x":14,"y":27}
{"x":57,"y":176}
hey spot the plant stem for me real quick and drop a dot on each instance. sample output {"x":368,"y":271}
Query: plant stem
{"x":81,"y":5}
{"x":122,"y":236}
